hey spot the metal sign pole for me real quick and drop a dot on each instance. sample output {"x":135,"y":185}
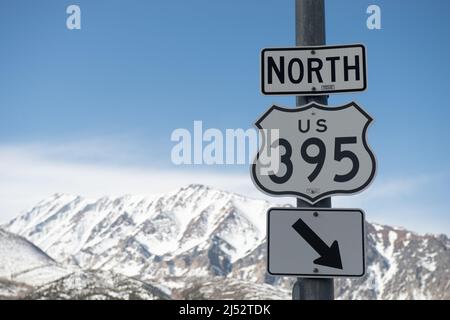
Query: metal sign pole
{"x":310,"y":31}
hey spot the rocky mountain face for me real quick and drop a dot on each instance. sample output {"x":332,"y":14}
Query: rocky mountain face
{"x":184,"y":243}
{"x":97,"y":285}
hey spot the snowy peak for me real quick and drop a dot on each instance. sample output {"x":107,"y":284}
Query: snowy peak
{"x":197,"y":232}
{"x":98,"y":232}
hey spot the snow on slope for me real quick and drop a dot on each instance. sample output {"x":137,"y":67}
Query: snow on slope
{"x":21,"y":261}
{"x":104,"y":233}
{"x":198,"y":232}
{"x":219,"y":288}
{"x":99,"y":285}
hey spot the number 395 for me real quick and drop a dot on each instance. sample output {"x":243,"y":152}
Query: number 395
{"x":318,"y":160}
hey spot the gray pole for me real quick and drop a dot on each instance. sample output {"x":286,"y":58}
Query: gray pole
{"x":310,"y":31}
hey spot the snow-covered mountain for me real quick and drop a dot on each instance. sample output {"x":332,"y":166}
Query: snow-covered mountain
{"x":141,"y":235}
{"x":201,"y":235}
{"x":23,"y":262}
{"x":29,"y":273}
{"x":96,"y":285}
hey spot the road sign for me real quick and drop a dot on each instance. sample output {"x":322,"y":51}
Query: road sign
{"x":314,"y":70}
{"x":319,"y":151}
{"x":316,"y":242}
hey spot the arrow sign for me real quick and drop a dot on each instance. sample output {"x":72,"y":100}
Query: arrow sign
{"x":316,"y":242}
{"x":329,"y":256}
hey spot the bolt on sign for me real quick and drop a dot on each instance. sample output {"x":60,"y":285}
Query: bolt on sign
{"x":314,"y":70}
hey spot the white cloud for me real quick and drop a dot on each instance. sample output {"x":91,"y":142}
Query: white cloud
{"x":30,"y":173}
{"x":386,"y":191}
{"x":403,"y":202}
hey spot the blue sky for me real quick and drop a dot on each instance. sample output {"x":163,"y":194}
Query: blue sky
{"x":107,"y":97}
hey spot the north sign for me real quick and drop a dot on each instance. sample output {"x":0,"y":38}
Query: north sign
{"x":318,"y":70}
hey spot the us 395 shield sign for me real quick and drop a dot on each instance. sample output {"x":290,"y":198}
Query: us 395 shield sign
{"x":314,"y":151}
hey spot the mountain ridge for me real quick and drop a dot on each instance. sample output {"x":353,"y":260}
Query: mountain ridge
{"x":198,"y":232}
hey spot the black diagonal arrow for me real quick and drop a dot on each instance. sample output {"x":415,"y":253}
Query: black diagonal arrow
{"x":329,"y":256}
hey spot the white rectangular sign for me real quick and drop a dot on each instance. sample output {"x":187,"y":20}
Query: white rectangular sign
{"x":312,"y":242}
{"x":317,"y":70}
